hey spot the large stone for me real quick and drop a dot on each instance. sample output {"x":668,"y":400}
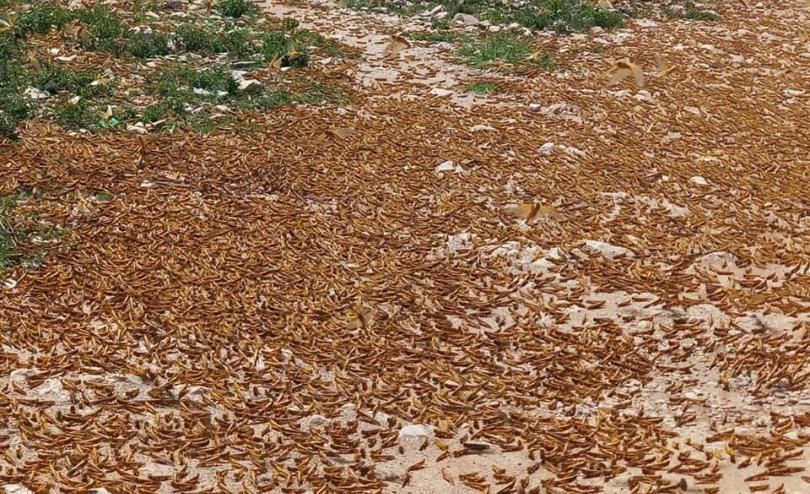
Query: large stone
{"x":465,"y":20}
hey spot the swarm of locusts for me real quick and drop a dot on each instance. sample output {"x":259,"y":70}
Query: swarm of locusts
{"x":301,"y":309}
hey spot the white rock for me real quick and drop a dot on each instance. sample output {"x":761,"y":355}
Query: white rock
{"x":138,"y":128}
{"x":34,"y":93}
{"x":481,"y":128}
{"x":546,"y":148}
{"x":440,"y":92}
{"x":646,"y":23}
{"x":670,"y":137}
{"x":312,"y":421}
{"x":465,"y":20}
{"x":17,"y":489}
{"x":251,"y":86}
{"x":449,"y":166}
{"x":201,"y":92}
{"x":416,"y":430}
{"x":436,"y":10}
{"x":698,"y":180}
{"x":608,"y":250}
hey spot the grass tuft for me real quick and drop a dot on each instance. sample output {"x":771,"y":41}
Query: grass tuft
{"x":484,"y":87}
{"x":236,"y":8}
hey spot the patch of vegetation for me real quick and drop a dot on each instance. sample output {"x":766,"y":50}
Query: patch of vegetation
{"x":502,"y":49}
{"x":142,"y":44}
{"x":563,"y":16}
{"x":41,"y":18}
{"x":200,"y":91}
{"x":690,"y":11}
{"x":236,"y":8}
{"x":484,"y":87}
{"x":279,"y":46}
{"x":76,"y":115}
{"x":436,"y":37}
{"x":104,"y":27}
{"x":205,"y":40}
{"x":22,"y":235}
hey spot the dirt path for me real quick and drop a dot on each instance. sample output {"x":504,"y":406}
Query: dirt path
{"x":347,"y":301}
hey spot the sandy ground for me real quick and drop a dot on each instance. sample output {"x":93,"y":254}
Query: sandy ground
{"x":304,"y":311}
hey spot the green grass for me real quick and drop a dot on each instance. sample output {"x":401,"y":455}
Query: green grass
{"x":500,"y":49}
{"x":484,"y":88}
{"x":184,"y":96}
{"x":236,"y":8}
{"x":41,"y":18}
{"x":436,"y":37}
{"x":690,"y":11}
{"x":564,"y":16}
{"x":21,"y":235}
{"x":147,"y":44}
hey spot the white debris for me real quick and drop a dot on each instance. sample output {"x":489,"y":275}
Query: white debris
{"x":465,"y":20}
{"x":698,"y":180}
{"x":449,"y":166}
{"x":17,"y":489}
{"x":481,"y":128}
{"x":607,"y":250}
{"x":670,"y":137}
{"x":416,"y":430}
{"x":34,"y":93}
{"x":546,"y":148}
{"x":251,"y":86}
{"x":138,"y":128}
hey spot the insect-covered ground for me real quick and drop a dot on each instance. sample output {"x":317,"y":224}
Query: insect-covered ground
{"x":416,"y":247}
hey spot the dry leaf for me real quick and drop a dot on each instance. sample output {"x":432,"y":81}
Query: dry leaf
{"x":448,"y":476}
{"x":530,"y":211}
{"x":624,"y":69}
{"x":342,"y":132}
{"x":361,"y":319}
{"x":604,"y":4}
{"x":397,"y":45}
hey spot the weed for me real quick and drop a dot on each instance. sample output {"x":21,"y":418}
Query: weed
{"x":501,"y":48}
{"x":565,"y":16}
{"x":484,"y":87}
{"x":690,"y":11}
{"x":41,"y":18}
{"x":142,"y":44}
{"x":103,"y":196}
{"x":80,"y":115}
{"x":289,"y":51}
{"x":57,"y":78}
{"x":236,"y":8}
{"x":437,"y":37}
{"x":440,"y":24}
{"x":21,"y":232}
{"x":104,"y":27}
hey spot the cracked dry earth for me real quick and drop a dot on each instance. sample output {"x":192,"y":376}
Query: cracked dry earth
{"x":306,"y":309}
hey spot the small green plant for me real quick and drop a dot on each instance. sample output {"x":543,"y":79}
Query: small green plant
{"x":103,"y":196}
{"x":484,"y":87}
{"x":436,"y":37}
{"x":501,"y":48}
{"x":142,"y":44}
{"x":690,"y":11}
{"x":79,"y":115}
{"x":41,"y":18}
{"x":288,"y":51}
{"x":104,"y":27}
{"x":236,"y":8}
{"x":23,"y":235}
